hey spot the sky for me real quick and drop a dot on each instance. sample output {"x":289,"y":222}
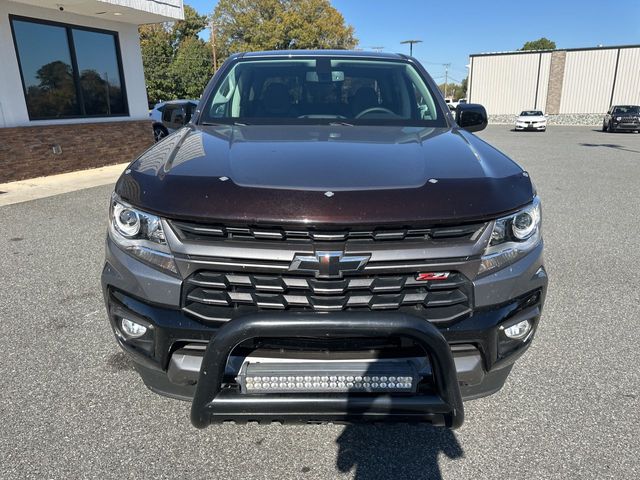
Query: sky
{"x":450,"y":31}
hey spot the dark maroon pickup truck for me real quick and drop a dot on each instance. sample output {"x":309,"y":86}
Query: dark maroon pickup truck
{"x":324,"y":241}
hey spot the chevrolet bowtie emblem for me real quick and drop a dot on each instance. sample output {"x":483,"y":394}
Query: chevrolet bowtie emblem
{"x":328,"y":264}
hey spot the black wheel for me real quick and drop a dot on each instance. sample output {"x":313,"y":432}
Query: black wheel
{"x":159,"y":132}
{"x":604,"y":127}
{"x":610,"y":128}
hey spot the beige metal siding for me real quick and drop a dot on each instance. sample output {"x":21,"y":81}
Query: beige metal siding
{"x":627,"y":90}
{"x":505,"y":84}
{"x":588,"y":80}
{"x":543,"y":80}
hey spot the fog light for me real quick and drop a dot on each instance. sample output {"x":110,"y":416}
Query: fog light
{"x":519,"y":330}
{"x":132,"y":329}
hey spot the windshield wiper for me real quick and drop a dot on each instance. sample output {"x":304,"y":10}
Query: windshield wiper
{"x":344,"y":124}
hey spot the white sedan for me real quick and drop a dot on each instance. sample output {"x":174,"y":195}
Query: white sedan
{"x":531,"y":120}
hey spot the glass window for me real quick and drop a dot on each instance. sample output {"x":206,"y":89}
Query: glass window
{"x":166,"y":113}
{"x":99,"y":73}
{"x":323,"y":90}
{"x":47,"y":70}
{"x":628,"y":109}
{"x":68,"y":71}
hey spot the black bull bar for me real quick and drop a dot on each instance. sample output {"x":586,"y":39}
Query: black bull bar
{"x":212,"y":404}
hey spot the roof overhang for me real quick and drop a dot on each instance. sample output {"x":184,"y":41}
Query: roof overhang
{"x":128,"y":11}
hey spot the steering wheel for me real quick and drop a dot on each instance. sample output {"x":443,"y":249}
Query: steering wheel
{"x":373,"y":109}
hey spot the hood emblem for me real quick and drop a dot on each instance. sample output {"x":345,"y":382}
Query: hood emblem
{"x":329,"y":194}
{"x":328,"y":264}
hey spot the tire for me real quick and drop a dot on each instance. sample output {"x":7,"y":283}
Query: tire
{"x":159,"y":132}
{"x":611,"y":129}
{"x":604,"y":127}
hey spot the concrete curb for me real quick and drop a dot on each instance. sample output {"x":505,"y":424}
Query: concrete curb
{"x":35,"y":188}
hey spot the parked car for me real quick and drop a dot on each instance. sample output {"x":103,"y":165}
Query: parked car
{"x":322,"y":242}
{"x":622,"y":118}
{"x":531,"y":120}
{"x":169,"y":116}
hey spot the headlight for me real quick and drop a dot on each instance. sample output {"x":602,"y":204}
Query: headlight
{"x":512,"y":238}
{"x":140,"y":234}
{"x":618,"y":119}
{"x":126,"y":220}
{"x":526,"y":222}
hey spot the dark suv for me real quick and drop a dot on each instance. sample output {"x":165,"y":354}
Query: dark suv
{"x":324,"y":242}
{"x":622,"y":118}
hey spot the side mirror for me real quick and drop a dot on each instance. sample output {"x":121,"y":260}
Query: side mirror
{"x":471,"y":117}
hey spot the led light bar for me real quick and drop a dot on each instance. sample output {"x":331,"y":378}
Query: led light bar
{"x":333,"y":377}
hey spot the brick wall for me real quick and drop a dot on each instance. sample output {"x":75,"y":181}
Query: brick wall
{"x":28,"y":152}
{"x":556,"y":78}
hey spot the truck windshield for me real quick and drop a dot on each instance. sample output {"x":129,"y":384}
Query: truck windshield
{"x":322,"y":91}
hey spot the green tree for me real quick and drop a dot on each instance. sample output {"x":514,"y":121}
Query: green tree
{"x":177,"y":64}
{"x":540,"y":44}
{"x":191,"y":26}
{"x":191,"y":68}
{"x":157,"y":56}
{"x":249,"y":25}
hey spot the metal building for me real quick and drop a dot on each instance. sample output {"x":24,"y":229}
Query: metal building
{"x":571,"y":82}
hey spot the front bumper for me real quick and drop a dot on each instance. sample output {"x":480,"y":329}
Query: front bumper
{"x":170,"y":356}
{"x":625,"y":127}
{"x":213,"y":403}
{"x":532,"y":127}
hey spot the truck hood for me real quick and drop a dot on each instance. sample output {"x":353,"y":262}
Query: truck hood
{"x":324,"y":174}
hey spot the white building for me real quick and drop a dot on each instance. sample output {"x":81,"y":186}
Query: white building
{"x":72,"y":88}
{"x":572,"y":85}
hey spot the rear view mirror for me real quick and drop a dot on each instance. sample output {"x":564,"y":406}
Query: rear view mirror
{"x":471,"y":117}
{"x":336,"y":76}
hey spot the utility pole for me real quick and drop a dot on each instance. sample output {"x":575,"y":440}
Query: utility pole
{"x":213,"y":46}
{"x":411,"y":42}
{"x":446,"y":77}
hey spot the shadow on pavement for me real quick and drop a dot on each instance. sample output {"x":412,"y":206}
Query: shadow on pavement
{"x":395,"y":451}
{"x":609,"y":145}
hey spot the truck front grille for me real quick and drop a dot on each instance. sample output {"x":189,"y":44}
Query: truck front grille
{"x":207,"y":232}
{"x":222,"y":295}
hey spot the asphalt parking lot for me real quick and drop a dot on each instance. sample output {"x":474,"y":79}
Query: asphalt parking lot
{"x":71,"y":406}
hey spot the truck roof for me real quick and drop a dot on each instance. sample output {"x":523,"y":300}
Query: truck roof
{"x":324,"y":53}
